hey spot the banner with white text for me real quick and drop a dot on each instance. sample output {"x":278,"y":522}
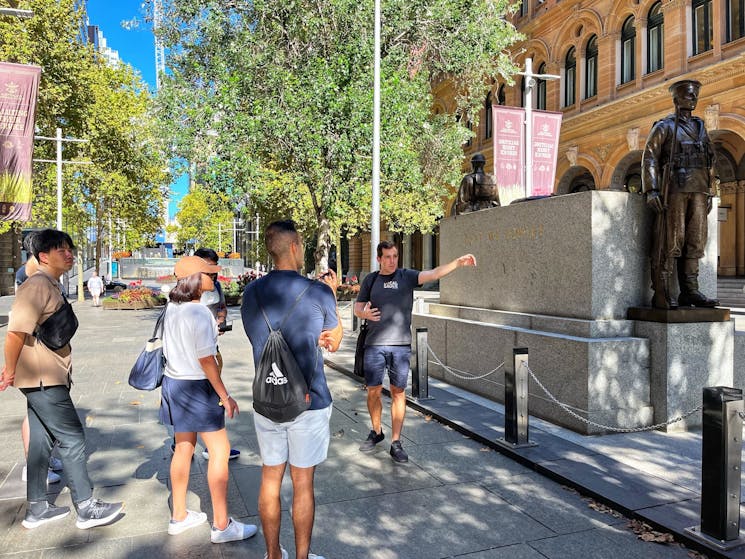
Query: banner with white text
{"x":19,"y":85}
{"x":509,"y":142}
{"x":546,"y":128}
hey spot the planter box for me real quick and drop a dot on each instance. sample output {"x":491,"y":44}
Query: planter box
{"x":233,"y":300}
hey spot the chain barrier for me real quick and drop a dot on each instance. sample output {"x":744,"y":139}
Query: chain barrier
{"x":608,"y":427}
{"x":462,"y":376}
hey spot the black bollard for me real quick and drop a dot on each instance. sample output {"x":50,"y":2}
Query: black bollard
{"x":420,"y":379}
{"x":516,"y":400}
{"x":720,"y":468}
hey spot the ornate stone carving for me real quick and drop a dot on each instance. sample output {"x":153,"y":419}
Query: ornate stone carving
{"x":711,"y":117}
{"x":632,"y":139}
{"x":572,"y":155}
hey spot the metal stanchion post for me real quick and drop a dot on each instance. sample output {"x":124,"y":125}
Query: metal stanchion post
{"x":516,"y":401}
{"x":420,"y":379}
{"x":721,"y":456}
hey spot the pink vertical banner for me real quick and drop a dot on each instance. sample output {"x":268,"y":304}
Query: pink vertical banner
{"x":546,"y":128}
{"x":509,"y":143}
{"x":19,"y":85}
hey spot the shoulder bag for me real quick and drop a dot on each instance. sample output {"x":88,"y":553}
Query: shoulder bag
{"x":147,"y":372}
{"x":359,"y":352}
{"x":57,"y":330}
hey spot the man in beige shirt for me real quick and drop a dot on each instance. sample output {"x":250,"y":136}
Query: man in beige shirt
{"x":43,"y":375}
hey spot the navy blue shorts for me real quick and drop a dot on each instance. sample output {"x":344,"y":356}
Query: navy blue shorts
{"x":191,"y":406}
{"x":395,"y":358}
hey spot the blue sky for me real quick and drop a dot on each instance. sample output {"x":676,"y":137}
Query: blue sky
{"x":136,"y":47}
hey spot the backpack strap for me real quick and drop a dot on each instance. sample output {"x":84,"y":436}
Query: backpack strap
{"x":289,"y":312}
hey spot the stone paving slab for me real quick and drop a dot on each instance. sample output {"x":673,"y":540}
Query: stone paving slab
{"x":456,"y":497}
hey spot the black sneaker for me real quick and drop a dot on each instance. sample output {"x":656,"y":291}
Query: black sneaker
{"x":41,"y":512}
{"x":398,"y":453}
{"x":95,"y":512}
{"x":372,"y":439}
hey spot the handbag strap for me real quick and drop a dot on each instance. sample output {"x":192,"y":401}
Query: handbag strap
{"x":159,"y":323}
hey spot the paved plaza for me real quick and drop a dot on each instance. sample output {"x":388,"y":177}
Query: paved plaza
{"x":455,"y":498}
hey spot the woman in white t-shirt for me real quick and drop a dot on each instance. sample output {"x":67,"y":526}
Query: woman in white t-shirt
{"x":195,"y":401}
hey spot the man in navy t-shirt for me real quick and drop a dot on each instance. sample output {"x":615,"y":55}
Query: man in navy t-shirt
{"x":304,"y":441}
{"x":385,"y":301}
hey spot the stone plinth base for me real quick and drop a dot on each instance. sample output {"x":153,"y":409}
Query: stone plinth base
{"x":683,"y":314}
{"x":685,"y":358}
{"x":597,"y":367}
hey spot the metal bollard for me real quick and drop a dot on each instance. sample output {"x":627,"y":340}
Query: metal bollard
{"x":516,"y":401}
{"x":420,"y":378}
{"x":720,"y":468}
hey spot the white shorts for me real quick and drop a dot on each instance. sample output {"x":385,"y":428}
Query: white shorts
{"x":303,"y":442}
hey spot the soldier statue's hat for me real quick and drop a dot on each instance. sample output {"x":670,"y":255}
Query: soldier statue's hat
{"x":478,"y":158}
{"x":680,"y":87}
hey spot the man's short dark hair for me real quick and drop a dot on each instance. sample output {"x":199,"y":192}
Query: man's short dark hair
{"x":385,"y":245}
{"x":277,"y":237}
{"x":50,"y":239}
{"x":207,"y":253}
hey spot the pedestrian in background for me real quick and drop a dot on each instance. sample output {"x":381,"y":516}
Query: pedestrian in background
{"x":303,"y":442}
{"x":95,"y":287}
{"x":43,"y":375}
{"x":194,"y":401}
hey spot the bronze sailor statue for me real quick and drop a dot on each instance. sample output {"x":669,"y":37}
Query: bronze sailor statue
{"x":678,"y":177}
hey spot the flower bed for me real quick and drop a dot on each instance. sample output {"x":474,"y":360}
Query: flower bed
{"x":133,"y":298}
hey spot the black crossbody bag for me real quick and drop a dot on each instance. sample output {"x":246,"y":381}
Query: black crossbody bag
{"x":359,"y":352}
{"x":57,"y":330}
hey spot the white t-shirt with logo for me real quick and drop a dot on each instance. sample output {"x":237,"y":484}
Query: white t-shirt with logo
{"x":189,"y":333}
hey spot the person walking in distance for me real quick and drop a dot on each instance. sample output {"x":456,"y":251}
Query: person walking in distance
{"x":305,"y":312}
{"x":385,"y":300}
{"x":95,"y":287}
{"x":43,"y":375}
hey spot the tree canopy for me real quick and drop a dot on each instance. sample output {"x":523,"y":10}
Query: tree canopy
{"x":110,"y":107}
{"x":271,"y":102}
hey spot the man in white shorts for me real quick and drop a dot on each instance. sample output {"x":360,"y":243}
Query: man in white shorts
{"x":304,"y":441}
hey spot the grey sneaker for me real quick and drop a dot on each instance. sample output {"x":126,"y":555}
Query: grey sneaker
{"x":372,"y":439}
{"x":233,"y":532}
{"x":95,"y":512}
{"x":41,"y":512}
{"x":398,"y":453}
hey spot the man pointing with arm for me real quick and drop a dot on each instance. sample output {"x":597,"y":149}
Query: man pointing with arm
{"x":385,"y":300}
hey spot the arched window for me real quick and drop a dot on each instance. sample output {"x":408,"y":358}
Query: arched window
{"x":540,"y":101}
{"x":570,"y":78}
{"x":523,"y":8}
{"x":628,"y":49}
{"x":501,"y":96}
{"x":487,"y":116}
{"x":591,"y":67}
{"x":655,"y":38}
{"x":735,"y":19}
{"x":703,"y":30}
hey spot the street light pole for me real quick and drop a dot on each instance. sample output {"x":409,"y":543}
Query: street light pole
{"x":375,"y":226}
{"x":530,"y":83}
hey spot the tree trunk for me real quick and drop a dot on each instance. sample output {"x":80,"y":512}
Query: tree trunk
{"x":322,"y":246}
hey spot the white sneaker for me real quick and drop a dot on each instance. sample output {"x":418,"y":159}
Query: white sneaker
{"x":314,"y":556}
{"x":55,"y":464}
{"x":192,"y":519}
{"x":284,"y":553}
{"x":52,"y":477}
{"x":233,"y":532}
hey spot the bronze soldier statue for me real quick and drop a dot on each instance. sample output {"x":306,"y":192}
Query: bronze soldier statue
{"x":678,"y":177}
{"x":478,"y":191}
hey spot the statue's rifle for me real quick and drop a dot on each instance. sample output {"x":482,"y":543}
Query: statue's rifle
{"x":661,"y":218}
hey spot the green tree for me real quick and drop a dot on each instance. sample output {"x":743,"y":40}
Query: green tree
{"x":109,"y":107}
{"x":262,"y":89}
{"x":204,"y":219}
